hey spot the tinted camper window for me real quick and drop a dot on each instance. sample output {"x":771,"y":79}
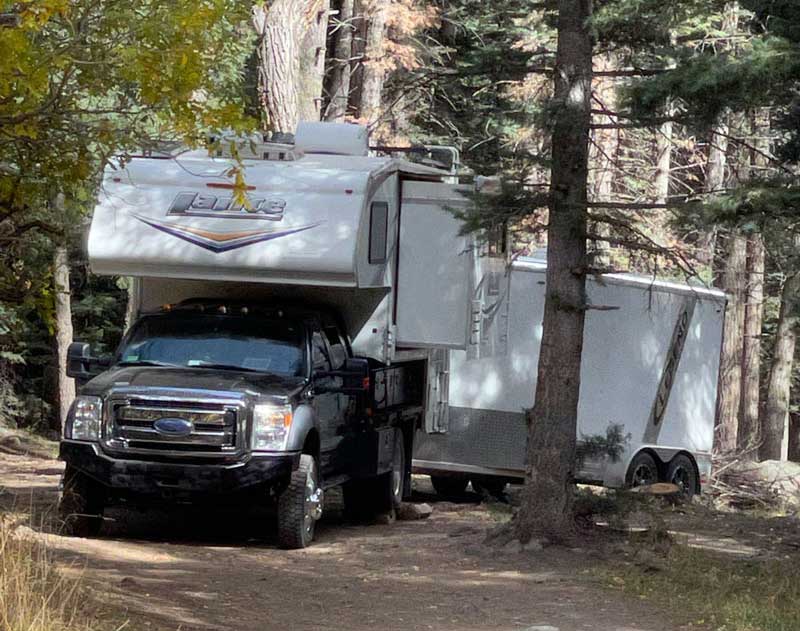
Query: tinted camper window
{"x":378,"y":228}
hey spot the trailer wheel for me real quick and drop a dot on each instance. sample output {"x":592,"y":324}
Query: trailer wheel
{"x":642,"y":471}
{"x":449,"y":486}
{"x":489,"y":485}
{"x":682,"y":473}
{"x":80,"y":505}
{"x":300,"y":506}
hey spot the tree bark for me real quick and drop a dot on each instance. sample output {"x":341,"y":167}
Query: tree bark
{"x":754,"y":304}
{"x":339,"y":86}
{"x":369,"y":106}
{"x":547,"y":498}
{"x":730,"y":375}
{"x":776,"y":409}
{"x":663,"y":161}
{"x":63,"y":331}
{"x":751,"y":351}
{"x":312,"y":61}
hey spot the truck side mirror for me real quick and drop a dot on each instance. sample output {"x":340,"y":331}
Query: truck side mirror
{"x":354,"y":375}
{"x":80,"y":362}
{"x":79,"y":357}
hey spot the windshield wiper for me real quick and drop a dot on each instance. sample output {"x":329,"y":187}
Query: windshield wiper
{"x":202,"y":364}
{"x":146,"y":362}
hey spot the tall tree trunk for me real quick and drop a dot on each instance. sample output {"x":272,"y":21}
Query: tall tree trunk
{"x":754,"y":304}
{"x":369,"y":106}
{"x":751,"y":351}
{"x":547,"y":497}
{"x":730,"y":265}
{"x":64,"y":333}
{"x":730,"y":375}
{"x":663,"y":160}
{"x":776,"y":409}
{"x":339,"y":76}
{"x":312,"y":61}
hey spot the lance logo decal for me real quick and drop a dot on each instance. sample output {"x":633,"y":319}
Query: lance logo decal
{"x":221,"y":241}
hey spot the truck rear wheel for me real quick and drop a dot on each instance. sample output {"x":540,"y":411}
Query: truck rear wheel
{"x":300,"y":506}
{"x":449,"y":486}
{"x":364,"y":499}
{"x":81,"y":504}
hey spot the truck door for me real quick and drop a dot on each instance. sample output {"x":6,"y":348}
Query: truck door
{"x":331,"y":411}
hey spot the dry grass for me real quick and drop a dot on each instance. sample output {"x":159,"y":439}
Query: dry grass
{"x":34,"y":595}
{"x":724,"y":594}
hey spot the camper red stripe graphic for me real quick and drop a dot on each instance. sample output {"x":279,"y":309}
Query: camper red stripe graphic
{"x":222,"y":241}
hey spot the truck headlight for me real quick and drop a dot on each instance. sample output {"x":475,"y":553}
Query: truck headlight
{"x":84,"y":419}
{"x":271,"y":425}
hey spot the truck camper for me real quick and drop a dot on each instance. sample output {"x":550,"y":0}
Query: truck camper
{"x":279,"y":346}
{"x":334,"y":327}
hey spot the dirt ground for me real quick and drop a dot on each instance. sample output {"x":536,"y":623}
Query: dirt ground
{"x":184,"y":569}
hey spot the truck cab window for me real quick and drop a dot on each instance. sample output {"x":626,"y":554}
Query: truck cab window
{"x":319,"y":353}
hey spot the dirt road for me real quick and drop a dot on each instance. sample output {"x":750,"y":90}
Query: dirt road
{"x":189,"y":570}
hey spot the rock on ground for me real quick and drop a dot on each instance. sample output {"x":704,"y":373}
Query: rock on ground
{"x":411,"y":512}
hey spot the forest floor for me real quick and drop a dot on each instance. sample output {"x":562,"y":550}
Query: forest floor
{"x":185,"y":569}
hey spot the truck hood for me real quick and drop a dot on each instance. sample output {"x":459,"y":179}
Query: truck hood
{"x":241,"y":382}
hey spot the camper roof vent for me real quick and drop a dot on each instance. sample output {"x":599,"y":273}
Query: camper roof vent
{"x":332,"y":138}
{"x":252,"y":147}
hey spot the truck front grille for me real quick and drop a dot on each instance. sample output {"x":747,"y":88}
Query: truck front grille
{"x":134,"y":427}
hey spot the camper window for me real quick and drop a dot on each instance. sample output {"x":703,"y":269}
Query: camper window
{"x":378,"y":231}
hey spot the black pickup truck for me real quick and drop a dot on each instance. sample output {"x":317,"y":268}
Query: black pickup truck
{"x":209,"y":402}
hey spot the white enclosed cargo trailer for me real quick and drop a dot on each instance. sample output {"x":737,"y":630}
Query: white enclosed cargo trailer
{"x":375,"y":238}
{"x":650,"y":364}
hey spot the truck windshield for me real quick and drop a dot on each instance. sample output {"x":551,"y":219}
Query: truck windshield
{"x":215,"y":341}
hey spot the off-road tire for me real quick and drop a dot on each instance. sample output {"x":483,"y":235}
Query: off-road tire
{"x":81,"y":504}
{"x":449,"y":486}
{"x":642,"y":471}
{"x":681,"y":472}
{"x":294,"y":530}
{"x":488,"y":485}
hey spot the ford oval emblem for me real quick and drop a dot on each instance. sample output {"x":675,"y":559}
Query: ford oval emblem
{"x":173,"y":427}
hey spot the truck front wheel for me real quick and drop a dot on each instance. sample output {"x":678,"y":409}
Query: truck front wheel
{"x":81,"y":504}
{"x":300,"y":506}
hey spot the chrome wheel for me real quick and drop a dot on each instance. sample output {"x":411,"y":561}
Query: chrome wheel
{"x":313,"y":502}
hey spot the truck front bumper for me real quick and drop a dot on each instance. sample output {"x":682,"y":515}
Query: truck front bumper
{"x":177,"y":480}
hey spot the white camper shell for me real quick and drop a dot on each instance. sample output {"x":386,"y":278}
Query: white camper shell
{"x":375,"y":237}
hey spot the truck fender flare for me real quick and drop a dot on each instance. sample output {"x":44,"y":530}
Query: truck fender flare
{"x":304,"y":421}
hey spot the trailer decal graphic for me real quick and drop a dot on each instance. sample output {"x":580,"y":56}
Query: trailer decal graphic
{"x":205,"y":205}
{"x":674,"y":353}
{"x":222,"y":241}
